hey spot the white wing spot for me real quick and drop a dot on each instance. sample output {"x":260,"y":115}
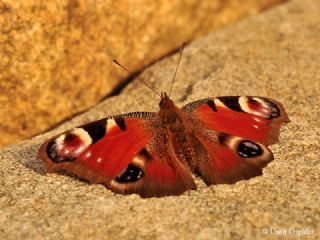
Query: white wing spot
{"x":218,"y":103}
{"x":59,"y":141}
{"x":111,"y":124}
{"x":80,"y":150}
{"x":257,"y":119}
{"x":243,"y":102}
{"x":83,"y":135}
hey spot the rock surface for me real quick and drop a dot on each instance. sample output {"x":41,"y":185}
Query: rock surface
{"x":56,"y":57}
{"x":274,"y":54}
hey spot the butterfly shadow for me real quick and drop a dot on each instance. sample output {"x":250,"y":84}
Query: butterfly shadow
{"x":27,"y":156}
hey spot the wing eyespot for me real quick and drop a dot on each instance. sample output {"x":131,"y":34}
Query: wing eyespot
{"x":135,"y":169}
{"x":131,"y":174}
{"x":68,"y":146}
{"x":258,"y":106}
{"x":249,"y":149}
{"x":54,"y":156}
{"x":275,"y":112}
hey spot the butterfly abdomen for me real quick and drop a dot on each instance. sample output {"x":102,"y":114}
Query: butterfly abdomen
{"x":184,"y":150}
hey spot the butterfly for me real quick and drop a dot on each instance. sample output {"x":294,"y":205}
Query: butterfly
{"x":153,"y":154}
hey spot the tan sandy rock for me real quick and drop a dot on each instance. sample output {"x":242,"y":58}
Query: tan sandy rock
{"x":274,"y":54}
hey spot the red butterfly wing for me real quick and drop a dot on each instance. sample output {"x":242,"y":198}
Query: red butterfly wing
{"x":231,"y":134}
{"x":99,"y":150}
{"x":121,"y":152}
{"x":255,"y":118}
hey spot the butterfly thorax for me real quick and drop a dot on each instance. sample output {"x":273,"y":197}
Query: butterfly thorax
{"x":171,"y":116}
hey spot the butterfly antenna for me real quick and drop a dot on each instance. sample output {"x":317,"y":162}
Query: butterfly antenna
{"x":175,"y":73}
{"x":138,"y":78}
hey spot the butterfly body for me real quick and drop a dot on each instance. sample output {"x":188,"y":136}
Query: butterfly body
{"x":223,"y":139}
{"x":177,"y":131}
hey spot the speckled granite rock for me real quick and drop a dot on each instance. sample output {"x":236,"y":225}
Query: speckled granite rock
{"x":56,"y":56}
{"x":274,"y":54}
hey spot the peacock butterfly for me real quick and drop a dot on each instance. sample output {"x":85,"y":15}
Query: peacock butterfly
{"x":223,"y":139}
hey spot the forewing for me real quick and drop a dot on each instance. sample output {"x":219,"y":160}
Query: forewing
{"x":254,"y":118}
{"x":100,"y":150}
